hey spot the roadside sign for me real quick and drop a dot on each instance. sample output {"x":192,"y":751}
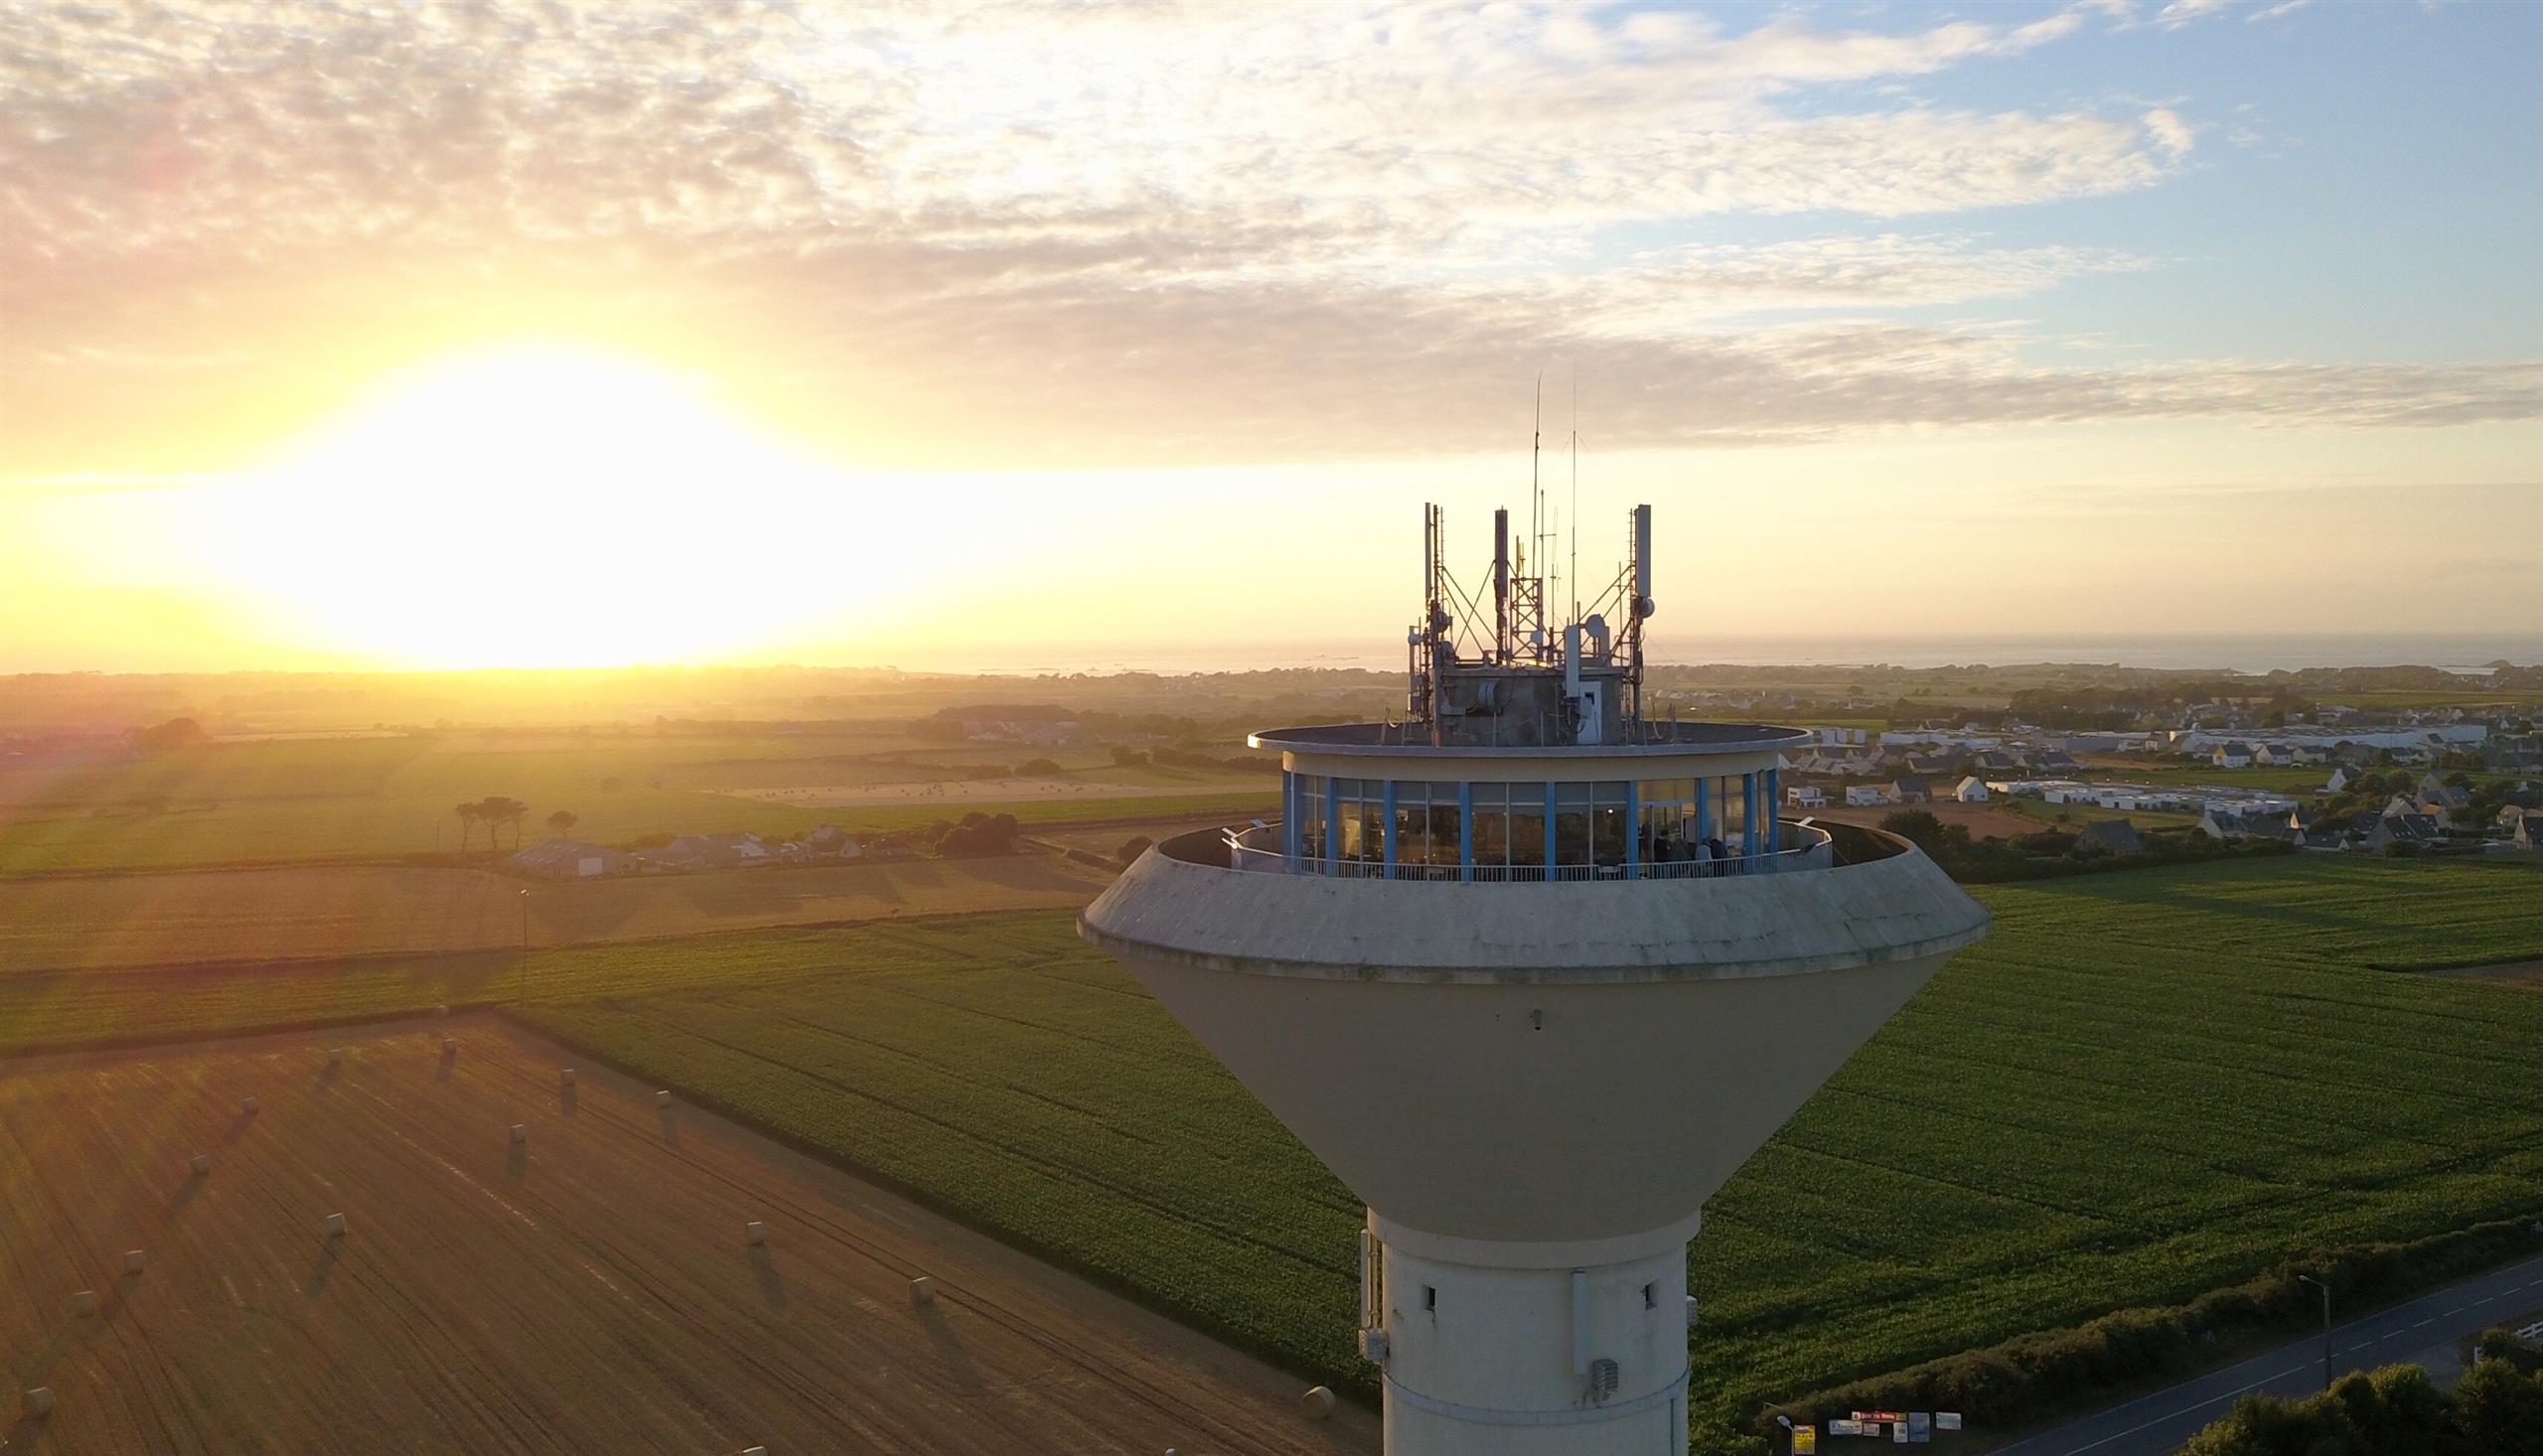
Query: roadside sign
{"x":1883,"y":1416}
{"x":1920,"y":1426}
{"x":1805,"y":1440}
{"x":1898,"y":1433}
{"x":1837,"y":1427}
{"x":1946,"y":1421}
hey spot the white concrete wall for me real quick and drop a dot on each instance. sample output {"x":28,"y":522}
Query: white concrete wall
{"x":1483,"y":1362}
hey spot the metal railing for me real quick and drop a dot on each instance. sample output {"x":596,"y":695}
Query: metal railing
{"x":1805,"y":848}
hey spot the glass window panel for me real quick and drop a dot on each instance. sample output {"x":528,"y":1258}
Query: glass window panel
{"x":1572,"y":796}
{"x":1492,"y":836}
{"x":1570,"y":835}
{"x":1607,"y":833}
{"x":1410,"y":824}
{"x":1447,"y":834}
{"x":1527,"y":823}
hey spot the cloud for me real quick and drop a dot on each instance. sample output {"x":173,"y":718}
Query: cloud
{"x":1178,"y":232}
{"x":2170,"y":132}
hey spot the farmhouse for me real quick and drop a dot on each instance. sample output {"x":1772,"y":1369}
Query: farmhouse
{"x":1867,"y":795}
{"x":1806,"y":796}
{"x":829,"y":841}
{"x":572,"y":859}
{"x":2237,"y":755}
{"x":1972,"y":790}
{"x":2230,"y":824}
{"x":1912,"y":790}
{"x":2402,"y":829}
{"x":714,"y":852}
{"x":2114,"y":837}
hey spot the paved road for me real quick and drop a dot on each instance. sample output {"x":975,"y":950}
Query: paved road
{"x":2154,"y":1425}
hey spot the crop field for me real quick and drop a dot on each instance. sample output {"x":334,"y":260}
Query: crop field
{"x":589,"y":1288}
{"x":281,"y":801}
{"x":2141,"y":1087}
{"x":196,"y":916}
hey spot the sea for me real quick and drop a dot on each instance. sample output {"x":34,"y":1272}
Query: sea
{"x":2256,"y":654}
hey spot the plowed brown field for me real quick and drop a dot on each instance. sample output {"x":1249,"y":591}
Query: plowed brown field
{"x":589,"y":1290}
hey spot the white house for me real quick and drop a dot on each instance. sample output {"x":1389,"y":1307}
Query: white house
{"x":1972,"y":790}
{"x":2337,"y":782}
{"x":1806,"y":796}
{"x":1867,"y":795}
{"x":2232,"y":756}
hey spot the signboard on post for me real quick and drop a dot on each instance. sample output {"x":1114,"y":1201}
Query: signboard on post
{"x":1946,"y":1421}
{"x":1920,"y":1426}
{"x":1805,"y":1440}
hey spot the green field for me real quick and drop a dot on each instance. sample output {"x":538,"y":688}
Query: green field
{"x":2141,"y":1087}
{"x":282,"y":801}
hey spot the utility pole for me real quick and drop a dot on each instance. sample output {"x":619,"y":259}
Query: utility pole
{"x":522,"y":981}
{"x":2327,"y":1326}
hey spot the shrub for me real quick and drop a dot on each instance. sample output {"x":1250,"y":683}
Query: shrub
{"x":2032,"y":1376}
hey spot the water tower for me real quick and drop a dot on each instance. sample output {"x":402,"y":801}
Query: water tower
{"x":1533,"y":971}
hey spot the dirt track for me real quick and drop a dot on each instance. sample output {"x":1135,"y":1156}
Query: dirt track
{"x":590,"y":1292}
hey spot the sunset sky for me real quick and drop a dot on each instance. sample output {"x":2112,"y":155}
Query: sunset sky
{"x":413,"y":334}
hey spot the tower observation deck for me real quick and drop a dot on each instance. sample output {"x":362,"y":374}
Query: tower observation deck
{"x":1534,"y":973}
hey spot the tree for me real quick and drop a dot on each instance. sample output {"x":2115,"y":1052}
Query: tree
{"x":1915,"y":826}
{"x":467,"y":823}
{"x":496,"y":808}
{"x":175,"y":733}
{"x":2499,"y":1411}
{"x":561,"y":820}
{"x":979,"y":834}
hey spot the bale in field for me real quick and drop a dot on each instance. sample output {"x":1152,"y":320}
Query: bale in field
{"x":133,"y":1259}
{"x":922,"y":1290}
{"x":84,"y":1301}
{"x":249,"y":1105}
{"x":40,"y":1403}
{"x":565,"y":1077}
{"x":335,"y":1225}
{"x":521,"y":1133}
{"x":440,"y":1012}
{"x":199,"y":1162}
{"x":335,"y":1056}
{"x":1317,"y":1404}
{"x":450,"y":1046}
{"x":662,"y":1098}
{"x":755,"y":1230}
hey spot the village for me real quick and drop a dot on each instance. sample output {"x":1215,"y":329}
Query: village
{"x":2438,"y":781}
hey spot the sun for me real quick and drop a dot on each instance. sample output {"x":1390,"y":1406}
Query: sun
{"x":549,"y":507}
